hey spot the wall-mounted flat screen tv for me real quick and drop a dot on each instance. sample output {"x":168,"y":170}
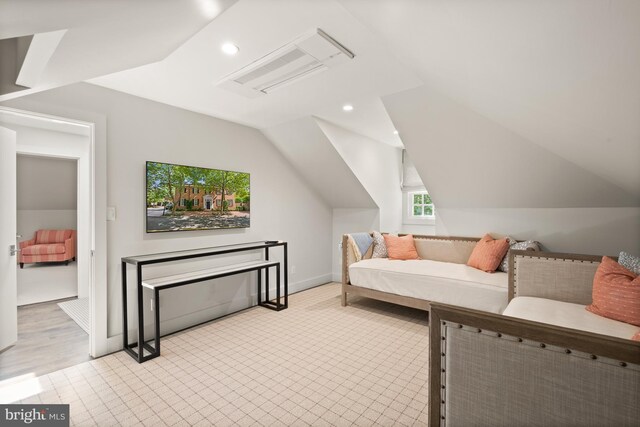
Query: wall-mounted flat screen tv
{"x":181,"y":198}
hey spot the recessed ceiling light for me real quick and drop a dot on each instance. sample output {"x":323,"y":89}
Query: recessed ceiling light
{"x":395,"y":132}
{"x":347,"y":107}
{"x":230,"y":48}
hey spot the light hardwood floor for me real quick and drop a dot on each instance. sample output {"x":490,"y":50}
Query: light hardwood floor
{"x":48,"y":340}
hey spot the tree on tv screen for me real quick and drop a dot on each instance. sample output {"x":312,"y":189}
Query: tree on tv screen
{"x":164,"y":183}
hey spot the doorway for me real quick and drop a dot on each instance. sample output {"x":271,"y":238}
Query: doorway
{"x":38,"y":139}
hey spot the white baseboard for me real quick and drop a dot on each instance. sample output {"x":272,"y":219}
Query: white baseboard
{"x":309,"y":283}
{"x":167,"y":326}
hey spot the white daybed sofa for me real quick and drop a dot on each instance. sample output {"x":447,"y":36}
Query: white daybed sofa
{"x":441,"y":275}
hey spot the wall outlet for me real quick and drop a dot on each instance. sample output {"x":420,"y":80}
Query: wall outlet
{"x":293,"y":269}
{"x":340,"y":245}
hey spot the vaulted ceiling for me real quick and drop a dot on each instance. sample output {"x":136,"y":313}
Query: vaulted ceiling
{"x":551,"y":86}
{"x":187,"y":78}
{"x":561,"y":74}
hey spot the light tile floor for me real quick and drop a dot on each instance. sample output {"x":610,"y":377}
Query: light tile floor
{"x":316,"y":363}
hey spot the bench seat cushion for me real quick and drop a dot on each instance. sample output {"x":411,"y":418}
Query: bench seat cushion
{"x":567,"y":315}
{"x":434,"y":281}
{"x":49,"y":249}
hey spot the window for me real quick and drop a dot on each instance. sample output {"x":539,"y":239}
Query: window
{"x":183,"y":202}
{"x":230,"y":202}
{"x":186,"y":190}
{"x":417,"y":207}
{"x":420,"y":205}
{"x":195,"y":202}
{"x":196,"y":190}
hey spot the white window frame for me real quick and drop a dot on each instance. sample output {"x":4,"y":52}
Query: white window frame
{"x":195,"y":202}
{"x":409,"y":217}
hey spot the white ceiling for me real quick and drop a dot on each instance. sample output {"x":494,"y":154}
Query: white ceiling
{"x":314,"y":155}
{"x":369,"y":118}
{"x":187,"y":77}
{"x":563,"y":74}
{"x":104,"y":36}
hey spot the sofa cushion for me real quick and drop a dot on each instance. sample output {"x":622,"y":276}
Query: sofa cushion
{"x":379,"y":247}
{"x":567,"y":315}
{"x":54,"y":248}
{"x":488,"y":253}
{"x":44,"y":237}
{"x":444,"y":282}
{"x":401,"y":248}
{"x":445,"y":249}
{"x":616,"y":293}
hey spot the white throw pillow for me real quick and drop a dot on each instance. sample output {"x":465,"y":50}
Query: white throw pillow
{"x":379,"y":247}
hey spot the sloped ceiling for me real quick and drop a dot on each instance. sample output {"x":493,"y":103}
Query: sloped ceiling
{"x":550,"y":87}
{"x":467,"y":160}
{"x":187,"y":78}
{"x":104,"y":36}
{"x":563,"y":75}
{"x":306,"y":146}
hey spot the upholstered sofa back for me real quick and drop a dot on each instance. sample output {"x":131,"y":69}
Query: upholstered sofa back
{"x":45,"y":237}
{"x":494,"y":370}
{"x":557,"y":276}
{"x":445,"y":248}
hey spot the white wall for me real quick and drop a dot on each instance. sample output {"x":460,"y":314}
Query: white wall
{"x":376,"y":166}
{"x":597,"y":231}
{"x":282,"y":207}
{"x":46,"y":182}
{"x":32,"y":220}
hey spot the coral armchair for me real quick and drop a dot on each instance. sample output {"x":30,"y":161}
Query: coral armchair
{"x":49,"y":246}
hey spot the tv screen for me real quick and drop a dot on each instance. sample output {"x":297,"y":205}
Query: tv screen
{"x":181,"y":198}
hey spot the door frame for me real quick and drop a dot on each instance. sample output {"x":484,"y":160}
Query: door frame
{"x":85,"y":161}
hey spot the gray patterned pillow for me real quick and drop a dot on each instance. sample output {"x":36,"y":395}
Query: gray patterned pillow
{"x":630,"y":262}
{"x":513,"y":244}
{"x":379,"y":247}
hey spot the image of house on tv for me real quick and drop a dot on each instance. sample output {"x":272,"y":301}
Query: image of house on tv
{"x":199,"y":198}
{"x":192,"y":198}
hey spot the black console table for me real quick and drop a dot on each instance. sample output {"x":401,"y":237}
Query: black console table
{"x":137,"y":349}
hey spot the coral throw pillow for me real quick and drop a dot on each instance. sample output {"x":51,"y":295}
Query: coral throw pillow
{"x":636,"y":337}
{"x":401,"y":247}
{"x":616,"y":293}
{"x":488,"y":253}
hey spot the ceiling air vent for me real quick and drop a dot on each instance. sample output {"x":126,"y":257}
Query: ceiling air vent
{"x":307,"y":55}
